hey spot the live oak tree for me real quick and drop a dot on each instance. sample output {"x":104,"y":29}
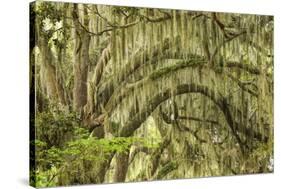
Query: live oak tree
{"x":131,"y":94}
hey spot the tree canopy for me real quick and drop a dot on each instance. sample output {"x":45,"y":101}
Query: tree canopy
{"x":133,"y":94}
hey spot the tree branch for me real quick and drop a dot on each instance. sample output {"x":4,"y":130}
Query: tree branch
{"x":242,"y":85}
{"x":108,"y":29}
{"x":152,"y":104}
{"x":247,"y":67}
{"x":229,"y":39}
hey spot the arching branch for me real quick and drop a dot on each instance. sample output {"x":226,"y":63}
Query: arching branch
{"x":107,"y":90}
{"x":136,"y":61}
{"x":124,"y":90}
{"x":155,"y":101}
{"x":246,"y":67}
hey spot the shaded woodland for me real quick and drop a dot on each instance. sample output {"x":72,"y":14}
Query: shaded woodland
{"x":128,"y":94}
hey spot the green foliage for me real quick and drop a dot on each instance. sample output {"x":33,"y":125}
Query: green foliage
{"x":48,"y":10}
{"x":55,"y":128}
{"x":50,"y":18}
{"x":58,"y":162}
{"x":44,"y":178}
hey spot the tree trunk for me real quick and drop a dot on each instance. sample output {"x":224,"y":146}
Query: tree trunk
{"x":81,"y":60}
{"x":121,"y":166}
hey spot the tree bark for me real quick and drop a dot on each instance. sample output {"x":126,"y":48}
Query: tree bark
{"x":121,"y":166}
{"x":81,"y":60}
